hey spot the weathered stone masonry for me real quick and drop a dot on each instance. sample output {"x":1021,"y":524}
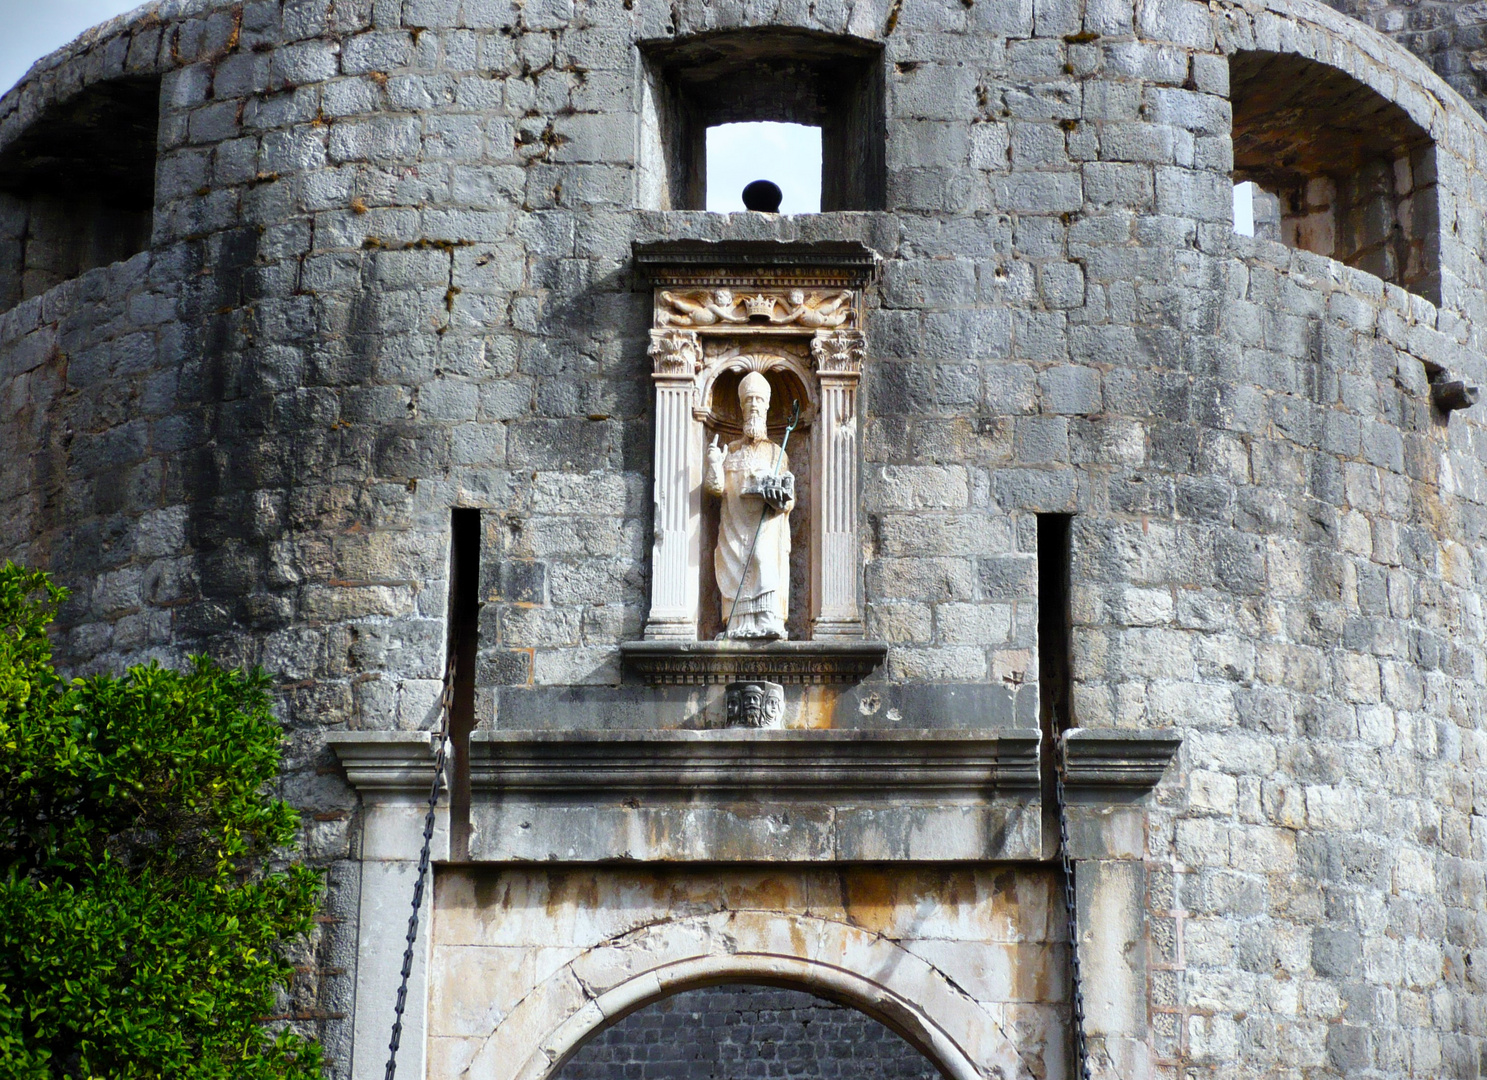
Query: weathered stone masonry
{"x":392,"y":272}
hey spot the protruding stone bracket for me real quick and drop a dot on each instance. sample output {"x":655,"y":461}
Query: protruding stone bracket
{"x":1448,"y":395}
{"x":711,"y":663}
{"x":1114,"y":761}
{"x":383,"y":764}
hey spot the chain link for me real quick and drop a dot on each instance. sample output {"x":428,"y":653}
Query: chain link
{"x":1071,"y":910}
{"x":446,"y":701}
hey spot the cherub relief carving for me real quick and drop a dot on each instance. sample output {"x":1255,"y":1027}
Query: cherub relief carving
{"x":709,"y":311}
{"x":797,"y":308}
{"x":820,"y":312}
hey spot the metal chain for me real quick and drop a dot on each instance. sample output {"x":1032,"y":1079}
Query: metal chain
{"x":446,"y":701}
{"x":1071,"y":910}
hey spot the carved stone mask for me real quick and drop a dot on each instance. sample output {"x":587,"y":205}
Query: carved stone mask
{"x":754,"y":704}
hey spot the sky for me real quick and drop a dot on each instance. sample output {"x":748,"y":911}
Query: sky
{"x":29,"y":29}
{"x":788,"y":154}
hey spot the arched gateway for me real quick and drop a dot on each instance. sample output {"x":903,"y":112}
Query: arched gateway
{"x":526,"y":1024}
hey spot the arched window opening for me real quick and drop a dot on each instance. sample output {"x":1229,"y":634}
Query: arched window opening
{"x":696,"y":87}
{"x":1335,"y":168}
{"x":77,"y":188}
{"x":747,"y":1032}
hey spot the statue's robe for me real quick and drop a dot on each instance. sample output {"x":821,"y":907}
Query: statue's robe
{"x":764,"y":599}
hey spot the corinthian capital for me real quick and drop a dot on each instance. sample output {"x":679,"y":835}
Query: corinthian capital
{"x":675,"y":354}
{"x":838,"y":352}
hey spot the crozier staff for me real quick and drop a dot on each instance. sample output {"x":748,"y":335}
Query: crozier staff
{"x":753,"y":479}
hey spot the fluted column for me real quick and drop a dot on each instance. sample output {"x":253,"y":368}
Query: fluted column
{"x":676,"y":357}
{"x":836,"y":562}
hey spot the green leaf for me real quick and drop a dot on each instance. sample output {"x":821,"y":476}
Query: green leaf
{"x":142,"y":932}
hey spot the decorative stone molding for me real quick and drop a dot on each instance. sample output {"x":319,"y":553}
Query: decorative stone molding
{"x":675,"y":354}
{"x":791,"y":312}
{"x":766,"y":309}
{"x":702,"y":663}
{"x":385,"y":763}
{"x":1109,"y":758}
{"x":754,"y":796}
{"x":738,"y":264}
{"x":777,"y":766}
{"x":839,"y":352}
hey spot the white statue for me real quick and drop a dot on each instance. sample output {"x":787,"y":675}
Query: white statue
{"x":758,"y":491}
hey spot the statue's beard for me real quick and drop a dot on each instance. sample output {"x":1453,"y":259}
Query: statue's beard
{"x":755,"y":427}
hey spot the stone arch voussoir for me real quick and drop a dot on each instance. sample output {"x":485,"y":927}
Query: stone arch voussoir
{"x":963,"y":1037}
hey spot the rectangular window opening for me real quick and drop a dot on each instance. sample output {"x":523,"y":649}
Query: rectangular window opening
{"x":463,"y":643}
{"x":1055,"y":666}
{"x":1257,"y":212}
{"x":804,"y":110}
{"x":786,"y":155}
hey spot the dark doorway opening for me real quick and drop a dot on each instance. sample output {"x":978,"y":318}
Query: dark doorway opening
{"x":747,"y":1032}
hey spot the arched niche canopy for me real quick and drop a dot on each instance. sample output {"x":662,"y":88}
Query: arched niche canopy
{"x":791,"y":381}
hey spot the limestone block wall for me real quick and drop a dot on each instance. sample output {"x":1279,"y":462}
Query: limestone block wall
{"x":1450,"y":36}
{"x":390,"y":274}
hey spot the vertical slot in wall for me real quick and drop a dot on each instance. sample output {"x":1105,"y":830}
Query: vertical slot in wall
{"x":464,"y":637}
{"x":1054,"y":663}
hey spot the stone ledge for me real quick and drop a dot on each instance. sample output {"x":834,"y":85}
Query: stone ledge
{"x":701,"y":663}
{"x":1109,"y":758}
{"x":774,"y":766}
{"x":386,"y":762}
{"x":811,"y":795}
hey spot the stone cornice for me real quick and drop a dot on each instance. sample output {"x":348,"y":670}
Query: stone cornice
{"x":385,"y":762}
{"x":843,"y":263}
{"x":1110,"y":758}
{"x":821,"y":766}
{"x":701,"y":663}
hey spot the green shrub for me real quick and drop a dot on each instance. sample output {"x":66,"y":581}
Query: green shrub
{"x":141,"y":932}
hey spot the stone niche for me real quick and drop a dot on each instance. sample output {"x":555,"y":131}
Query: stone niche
{"x":793,"y":314}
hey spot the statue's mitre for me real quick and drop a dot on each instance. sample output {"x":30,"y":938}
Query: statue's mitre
{"x":754,"y":385}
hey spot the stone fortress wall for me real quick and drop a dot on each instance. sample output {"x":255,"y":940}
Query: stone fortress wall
{"x":391,"y":273}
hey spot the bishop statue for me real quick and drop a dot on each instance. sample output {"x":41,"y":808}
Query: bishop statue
{"x":752,"y":476}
